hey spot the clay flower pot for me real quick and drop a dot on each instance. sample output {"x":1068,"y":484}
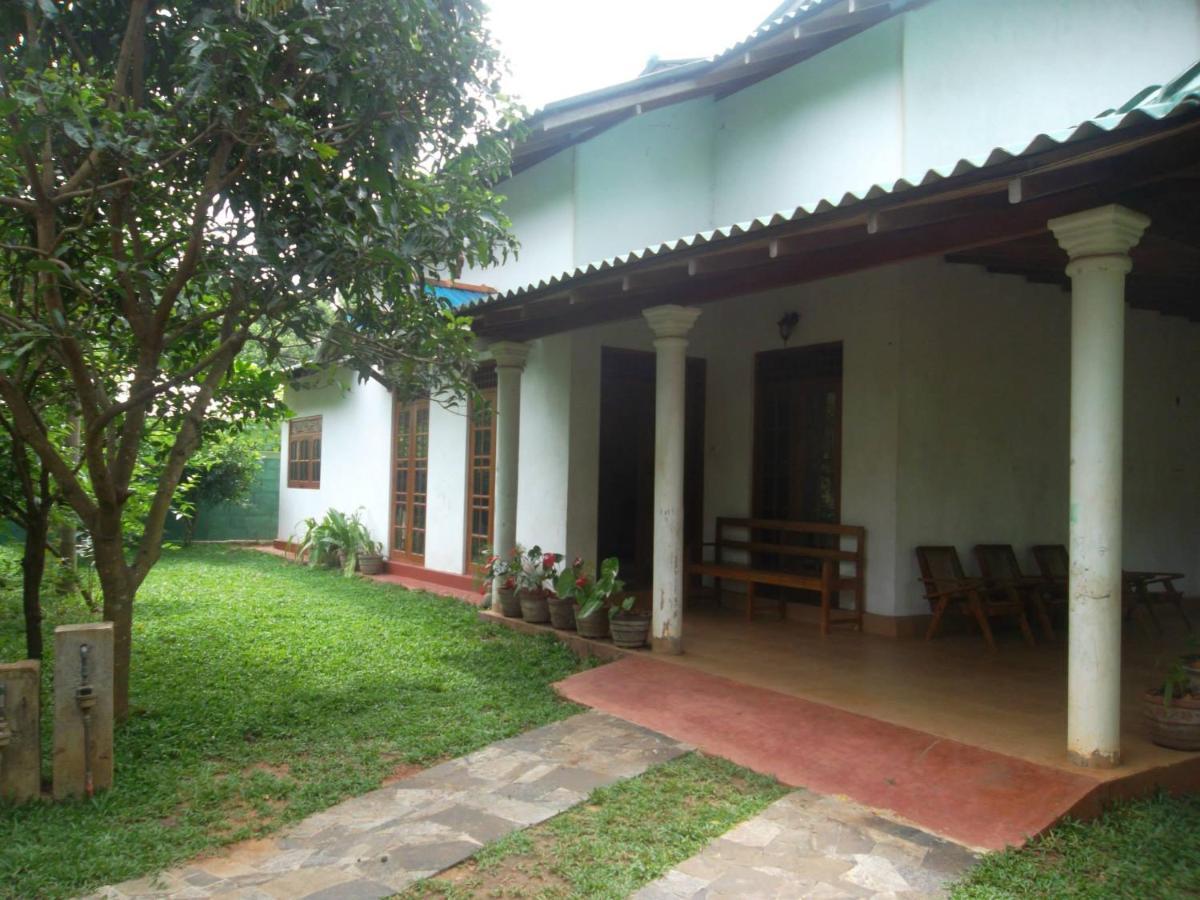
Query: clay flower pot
{"x":630,"y":630}
{"x":594,"y":625}
{"x":562,"y":612}
{"x":534,"y":607}
{"x":1176,"y":726}
{"x":510,"y":606}
{"x":370,"y":563}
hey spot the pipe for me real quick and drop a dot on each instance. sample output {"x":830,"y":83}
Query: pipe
{"x":85,"y":698}
{"x":5,"y":731}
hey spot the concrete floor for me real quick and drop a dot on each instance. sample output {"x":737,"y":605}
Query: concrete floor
{"x":1012,"y":701}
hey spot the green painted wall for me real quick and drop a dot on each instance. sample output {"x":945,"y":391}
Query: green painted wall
{"x":254,"y":520}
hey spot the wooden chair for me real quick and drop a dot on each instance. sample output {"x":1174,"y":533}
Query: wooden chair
{"x":1001,"y":571}
{"x":946,"y":584}
{"x":1136,"y":587}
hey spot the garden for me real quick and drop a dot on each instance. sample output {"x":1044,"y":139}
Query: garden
{"x":265,"y":691}
{"x":262,"y":692}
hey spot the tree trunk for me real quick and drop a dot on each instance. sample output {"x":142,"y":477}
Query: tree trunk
{"x":33,"y":565}
{"x":118,"y":589}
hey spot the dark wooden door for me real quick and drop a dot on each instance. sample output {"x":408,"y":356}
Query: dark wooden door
{"x":797,"y":441}
{"x":625,"y":527}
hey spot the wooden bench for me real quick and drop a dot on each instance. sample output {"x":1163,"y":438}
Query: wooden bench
{"x":823,"y":574}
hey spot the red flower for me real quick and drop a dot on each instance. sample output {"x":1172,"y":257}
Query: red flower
{"x":509,"y":584}
{"x":581,"y":582}
{"x":548,"y":561}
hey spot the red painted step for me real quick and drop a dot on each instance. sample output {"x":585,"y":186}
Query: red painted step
{"x":970,"y":795}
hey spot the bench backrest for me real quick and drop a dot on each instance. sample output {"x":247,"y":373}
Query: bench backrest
{"x":849,"y":541}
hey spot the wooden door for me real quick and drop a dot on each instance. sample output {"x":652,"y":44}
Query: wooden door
{"x":625,"y":526}
{"x":797,"y":440}
{"x":481,"y":475}
{"x":410,"y":480}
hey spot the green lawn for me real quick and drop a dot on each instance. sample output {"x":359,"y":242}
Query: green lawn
{"x":623,"y":837}
{"x":1146,"y":848}
{"x":262,"y":692}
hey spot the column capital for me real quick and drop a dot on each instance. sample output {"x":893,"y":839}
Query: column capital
{"x":509,"y":354}
{"x":1104,"y":231}
{"x":671,"y":321}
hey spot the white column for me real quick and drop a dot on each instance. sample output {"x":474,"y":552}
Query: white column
{"x":670,"y":325}
{"x":1097,"y":242}
{"x":510,"y":363}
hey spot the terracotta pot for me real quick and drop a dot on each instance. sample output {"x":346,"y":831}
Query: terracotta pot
{"x":510,"y":606}
{"x":534,"y":607}
{"x":370,"y":563}
{"x":630,"y":630}
{"x":562,"y":613}
{"x":593,"y":626}
{"x":1176,"y":726}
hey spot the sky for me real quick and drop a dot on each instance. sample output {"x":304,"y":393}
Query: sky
{"x":559,"y":48}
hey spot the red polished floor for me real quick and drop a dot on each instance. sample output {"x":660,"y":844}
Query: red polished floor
{"x":973,"y":796}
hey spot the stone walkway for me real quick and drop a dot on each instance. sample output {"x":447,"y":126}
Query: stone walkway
{"x":377,"y":844}
{"x":807,"y":845}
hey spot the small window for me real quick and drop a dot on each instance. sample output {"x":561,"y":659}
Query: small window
{"x":304,"y":452}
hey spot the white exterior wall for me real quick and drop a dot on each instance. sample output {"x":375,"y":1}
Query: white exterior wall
{"x":951,"y":79}
{"x":816,"y":130}
{"x":647,"y":180}
{"x":356,"y":433}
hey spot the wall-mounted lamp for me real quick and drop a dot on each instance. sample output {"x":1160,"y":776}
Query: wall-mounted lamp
{"x":787,"y":324}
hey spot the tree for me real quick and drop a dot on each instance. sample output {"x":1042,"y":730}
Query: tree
{"x":187,"y":178}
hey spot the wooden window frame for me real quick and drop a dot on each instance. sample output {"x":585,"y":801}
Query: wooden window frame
{"x":485,"y":382}
{"x":406,"y":553}
{"x":311,"y":437}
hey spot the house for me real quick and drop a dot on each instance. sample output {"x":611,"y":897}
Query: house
{"x":931,"y":268}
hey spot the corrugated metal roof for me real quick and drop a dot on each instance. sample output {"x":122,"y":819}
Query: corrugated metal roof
{"x":459,"y":295}
{"x":1154,"y":103}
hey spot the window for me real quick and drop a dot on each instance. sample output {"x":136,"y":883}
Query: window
{"x":304,"y":452}
{"x":481,"y":468}
{"x":410,"y":435}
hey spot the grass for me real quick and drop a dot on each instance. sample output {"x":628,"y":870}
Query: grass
{"x":1144,"y":848}
{"x":623,"y":837}
{"x":263,"y":692}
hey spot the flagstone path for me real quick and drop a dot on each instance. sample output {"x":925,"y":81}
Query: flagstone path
{"x":808,"y":845}
{"x":377,"y":844}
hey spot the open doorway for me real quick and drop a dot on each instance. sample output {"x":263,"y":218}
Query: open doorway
{"x":625,"y":526}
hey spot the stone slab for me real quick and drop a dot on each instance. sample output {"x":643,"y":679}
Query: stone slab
{"x":807,"y":845}
{"x":21,"y":760}
{"x":70,"y":761}
{"x":381,"y":842}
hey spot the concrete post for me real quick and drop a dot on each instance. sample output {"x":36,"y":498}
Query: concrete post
{"x":510,"y":363}
{"x":670,"y":325}
{"x":20,"y":731}
{"x":83,"y":745}
{"x":1097,"y":242}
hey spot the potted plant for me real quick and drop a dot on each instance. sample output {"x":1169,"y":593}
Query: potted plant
{"x":1173,"y":711}
{"x":591,"y":596}
{"x":500,"y":572}
{"x":536,"y":569}
{"x":340,"y":540}
{"x":562,"y":606}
